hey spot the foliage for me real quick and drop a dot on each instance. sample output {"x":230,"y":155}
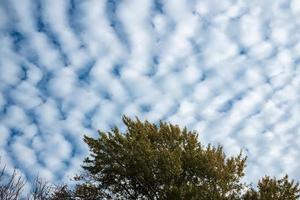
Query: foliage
{"x":61,"y":193}
{"x":162,"y":161}
{"x":271,"y":188}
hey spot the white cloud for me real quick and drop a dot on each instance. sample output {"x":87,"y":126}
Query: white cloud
{"x":3,"y":136}
{"x":63,"y":83}
{"x":28,"y":99}
{"x":9,"y":69}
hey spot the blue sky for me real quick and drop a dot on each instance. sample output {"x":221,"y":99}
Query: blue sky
{"x":228,"y":69}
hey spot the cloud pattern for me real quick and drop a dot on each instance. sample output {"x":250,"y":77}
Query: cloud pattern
{"x":228,"y":69}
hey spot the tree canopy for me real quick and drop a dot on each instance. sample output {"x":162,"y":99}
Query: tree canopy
{"x":164,"y":161}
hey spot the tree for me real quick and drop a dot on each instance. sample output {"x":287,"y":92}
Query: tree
{"x":11,"y":186}
{"x":162,"y":161}
{"x":41,"y":190}
{"x":61,"y":193}
{"x":271,"y":188}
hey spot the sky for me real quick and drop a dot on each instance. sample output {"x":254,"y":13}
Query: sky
{"x":228,"y":69}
